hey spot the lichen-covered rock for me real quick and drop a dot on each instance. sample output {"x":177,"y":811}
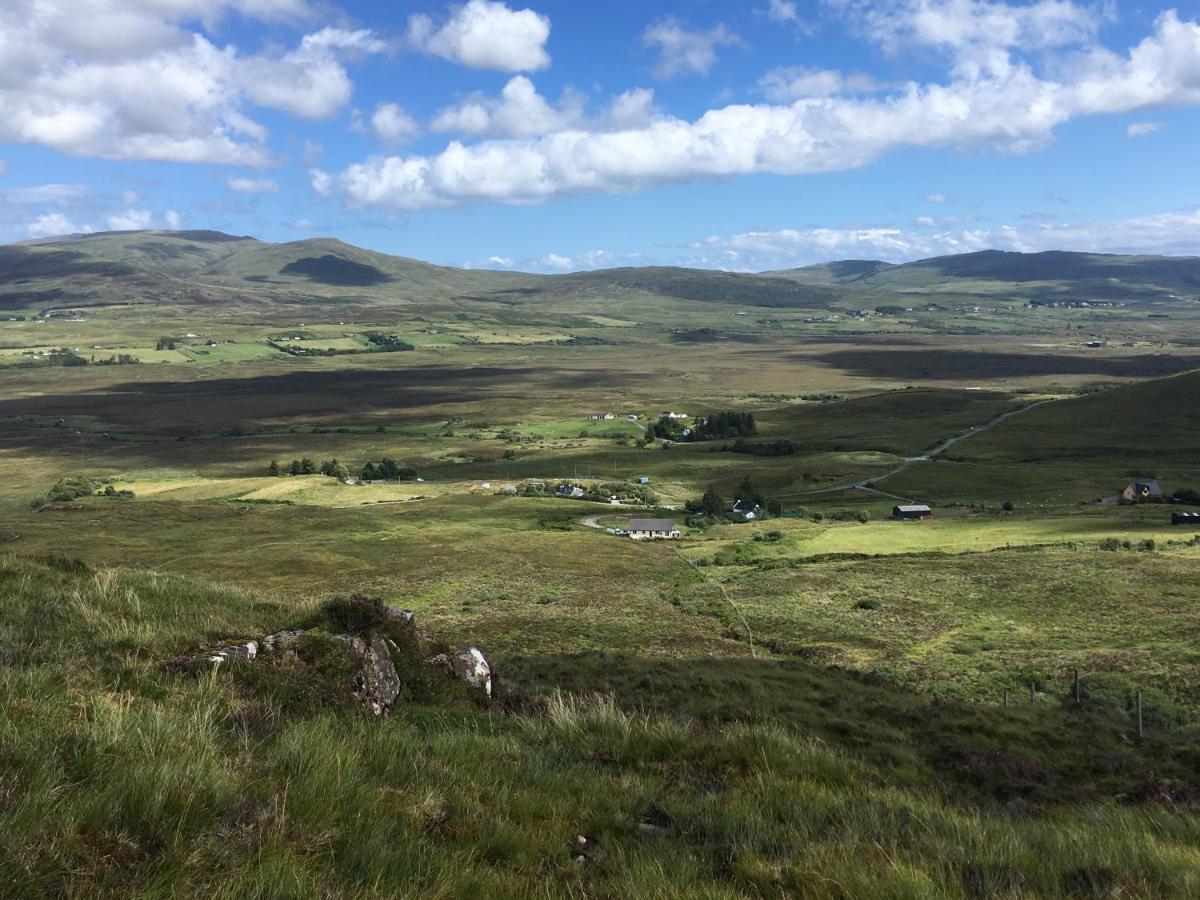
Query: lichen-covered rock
{"x":470,"y":665}
{"x":281,"y":641}
{"x":247,"y":651}
{"x":376,"y":685}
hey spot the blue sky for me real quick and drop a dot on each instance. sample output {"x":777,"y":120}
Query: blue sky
{"x":565,"y":135}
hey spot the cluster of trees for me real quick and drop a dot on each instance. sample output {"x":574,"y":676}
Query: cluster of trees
{"x":636,"y":493}
{"x":305,"y":466}
{"x":387,"y":469}
{"x":165,"y":343}
{"x":713,"y":505}
{"x":120,"y":359}
{"x":388,"y":342}
{"x":727,"y":424}
{"x":73,"y":487}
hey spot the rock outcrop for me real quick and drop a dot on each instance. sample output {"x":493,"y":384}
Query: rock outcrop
{"x":377,"y":685}
{"x":355,"y":643}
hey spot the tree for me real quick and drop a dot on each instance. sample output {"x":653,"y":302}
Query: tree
{"x":775,"y":508}
{"x":339,"y":471}
{"x":369,"y":473}
{"x":711,"y":503}
{"x":294,"y":468}
{"x":864,"y":516}
{"x":1008,"y":506}
{"x":307,"y":466}
{"x":273,"y":468}
{"x":748,"y":493}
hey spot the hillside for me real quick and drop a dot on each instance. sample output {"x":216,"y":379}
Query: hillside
{"x":1049,"y":275}
{"x":188,"y":268}
{"x":743,"y":778}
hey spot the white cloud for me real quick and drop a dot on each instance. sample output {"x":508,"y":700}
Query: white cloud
{"x":302,"y":225}
{"x":484,"y":34}
{"x":130,"y":220}
{"x":554,"y":261}
{"x":977,"y":34}
{"x":782,"y":11}
{"x":520,"y":111}
{"x":51,"y":224}
{"x":1014,"y":111}
{"x":132,"y":79}
{"x":3,"y":167}
{"x":502,"y":262}
{"x":322,"y":182}
{"x":926,"y":221}
{"x":936,"y":198}
{"x":1164,"y":233}
{"x":253,"y":185}
{"x":686,"y":52}
{"x":393,"y":125}
{"x":173,"y":219}
{"x":785,"y":84}
{"x":1141,"y":129}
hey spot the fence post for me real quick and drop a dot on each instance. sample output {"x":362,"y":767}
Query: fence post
{"x":1006,"y":699}
{"x":1077,"y":694}
{"x":1139,"y":714}
{"x":1031,"y":690}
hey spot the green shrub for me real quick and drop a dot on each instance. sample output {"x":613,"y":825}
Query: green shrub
{"x":1118,"y":694}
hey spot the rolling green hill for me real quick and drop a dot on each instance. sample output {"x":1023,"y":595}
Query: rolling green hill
{"x":188,"y":268}
{"x":1050,"y":275}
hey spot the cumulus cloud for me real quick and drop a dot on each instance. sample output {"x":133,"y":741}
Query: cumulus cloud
{"x":173,"y":219}
{"x":520,"y":111}
{"x":1163,"y":233}
{"x":785,"y":84}
{"x":130,"y":220}
{"x":3,"y":167}
{"x":484,"y":34}
{"x":977,"y":34}
{"x":392,"y":125}
{"x":1013,"y":110}
{"x":253,"y":185}
{"x":936,"y":198}
{"x":51,"y":224}
{"x":135,"y":79}
{"x":686,"y":52}
{"x":1141,"y":129}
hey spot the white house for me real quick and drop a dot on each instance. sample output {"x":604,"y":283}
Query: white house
{"x":653,"y":529}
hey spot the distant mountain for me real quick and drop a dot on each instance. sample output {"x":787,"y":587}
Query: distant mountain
{"x":1042,"y":275}
{"x":182,"y":269}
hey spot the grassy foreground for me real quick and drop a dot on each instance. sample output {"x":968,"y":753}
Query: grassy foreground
{"x":165,"y":784}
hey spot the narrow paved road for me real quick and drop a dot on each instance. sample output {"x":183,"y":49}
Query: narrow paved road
{"x":592,"y":522}
{"x":932,"y":454}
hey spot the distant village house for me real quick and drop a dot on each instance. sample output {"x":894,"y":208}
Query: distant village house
{"x":914,"y":511}
{"x":653,"y":529}
{"x":1141,"y":491}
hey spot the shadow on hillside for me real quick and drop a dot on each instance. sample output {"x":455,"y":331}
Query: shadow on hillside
{"x":982,"y":365}
{"x":319,"y":397}
{"x":336,"y":271}
{"x":1047,"y":755}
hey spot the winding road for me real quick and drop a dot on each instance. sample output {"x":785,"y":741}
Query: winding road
{"x":926,"y":457}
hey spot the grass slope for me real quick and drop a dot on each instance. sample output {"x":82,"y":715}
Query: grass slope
{"x":779,"y":780}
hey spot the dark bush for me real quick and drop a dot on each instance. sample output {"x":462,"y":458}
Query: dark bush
{"x":355,"y":614}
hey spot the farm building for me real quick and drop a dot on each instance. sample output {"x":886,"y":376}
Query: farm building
{"x":917,"y":511}
{"x":602,"y":417}
{"x":1185,"y":518}
{"x":744,"y":510}
{"x":1142,"y":490}
{"x":643,"y":479}
{"x":650,"y":529}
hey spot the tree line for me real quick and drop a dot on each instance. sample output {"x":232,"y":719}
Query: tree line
{"x":386,"y":469}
